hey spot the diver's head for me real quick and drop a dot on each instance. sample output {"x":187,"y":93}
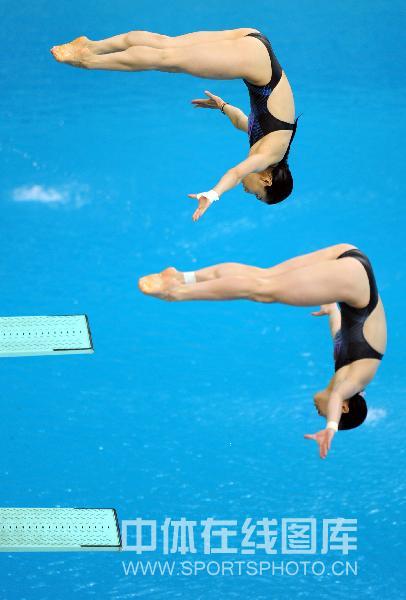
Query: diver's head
{"x":354,"y":410}
{"x":257,"y":183}
{"x":275,"y":183}
{"x":356,"y":414}
{"x":272,"y":185}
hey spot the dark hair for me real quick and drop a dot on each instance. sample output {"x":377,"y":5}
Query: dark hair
{"x":282,"y":184}
{"x":282,"y":180}
{"x":357,"y":413}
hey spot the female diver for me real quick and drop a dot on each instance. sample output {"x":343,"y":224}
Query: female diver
{"x":340,"y":274}
{"x":234,"y":54}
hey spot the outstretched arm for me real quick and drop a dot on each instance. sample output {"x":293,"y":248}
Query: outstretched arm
{"x":236,"y":116}
{"x":342,"y":390}
{"x":334,"y":317}
{"x":252,"y":164}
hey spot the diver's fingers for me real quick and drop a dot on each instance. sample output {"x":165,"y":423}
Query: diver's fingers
{"x":310,"y":436}
{"x":215,"y":100}
{"x":192,"y":195}
{"x":329,"y":440}
{"x":318,"y":313}
{"x":200,"y":211}
{"x":208,"y":104}
{"x":326,"y":443}
{"x":198,"y":214}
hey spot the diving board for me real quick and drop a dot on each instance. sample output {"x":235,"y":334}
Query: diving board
{"x":59,"y":530}
{"x":45,"y":335}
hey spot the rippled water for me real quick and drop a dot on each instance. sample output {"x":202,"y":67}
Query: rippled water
{"x":195,"y":410}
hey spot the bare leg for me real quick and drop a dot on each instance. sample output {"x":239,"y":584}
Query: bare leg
{"x":331,"y":281}
{"x":171,"y":275}
{"x":159,"y":283}
{"x":242,"y":57}
{"x":121,"y":42}
{"x":228,"y":270}
{"x":118,"y":43}
{"x":306,"y":260}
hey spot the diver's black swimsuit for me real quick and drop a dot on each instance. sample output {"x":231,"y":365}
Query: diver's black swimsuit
{"x":260,"y":120}
{"x":350,"y":343}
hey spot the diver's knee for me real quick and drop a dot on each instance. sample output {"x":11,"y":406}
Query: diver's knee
{"x":131,"y":38}
{"x":261,"y":290}
{"x":170,"y":59}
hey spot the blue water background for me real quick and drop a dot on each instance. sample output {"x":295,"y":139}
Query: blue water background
{"x":196,"y":410}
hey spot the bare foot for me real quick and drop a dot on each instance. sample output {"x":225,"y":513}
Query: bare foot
{"x":160,"y":283}
{"x":75,"y":53}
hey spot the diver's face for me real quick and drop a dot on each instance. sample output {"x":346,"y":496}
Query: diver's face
{"x":321,"y":403}
{"x":255,"y":183}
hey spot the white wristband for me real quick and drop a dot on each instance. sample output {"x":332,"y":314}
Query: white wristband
{"x":211,"y":195}
{"x":332,"y":425}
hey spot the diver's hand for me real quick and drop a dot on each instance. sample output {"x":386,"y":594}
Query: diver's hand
{"x":203,"y":204}
{"x":211,"y":102}
{"x":325,"y":309}
{"x":323,"y":438}
{"x":205,"y":199}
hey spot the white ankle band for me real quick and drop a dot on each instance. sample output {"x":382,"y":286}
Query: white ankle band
{"x":189,"y":277}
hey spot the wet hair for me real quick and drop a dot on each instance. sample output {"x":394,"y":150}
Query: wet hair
{"x":357,"y":413}
{"x":282,"y":180}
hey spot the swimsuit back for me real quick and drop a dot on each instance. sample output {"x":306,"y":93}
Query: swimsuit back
{"x":260,"y":120}
{"x":350,"y":343}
